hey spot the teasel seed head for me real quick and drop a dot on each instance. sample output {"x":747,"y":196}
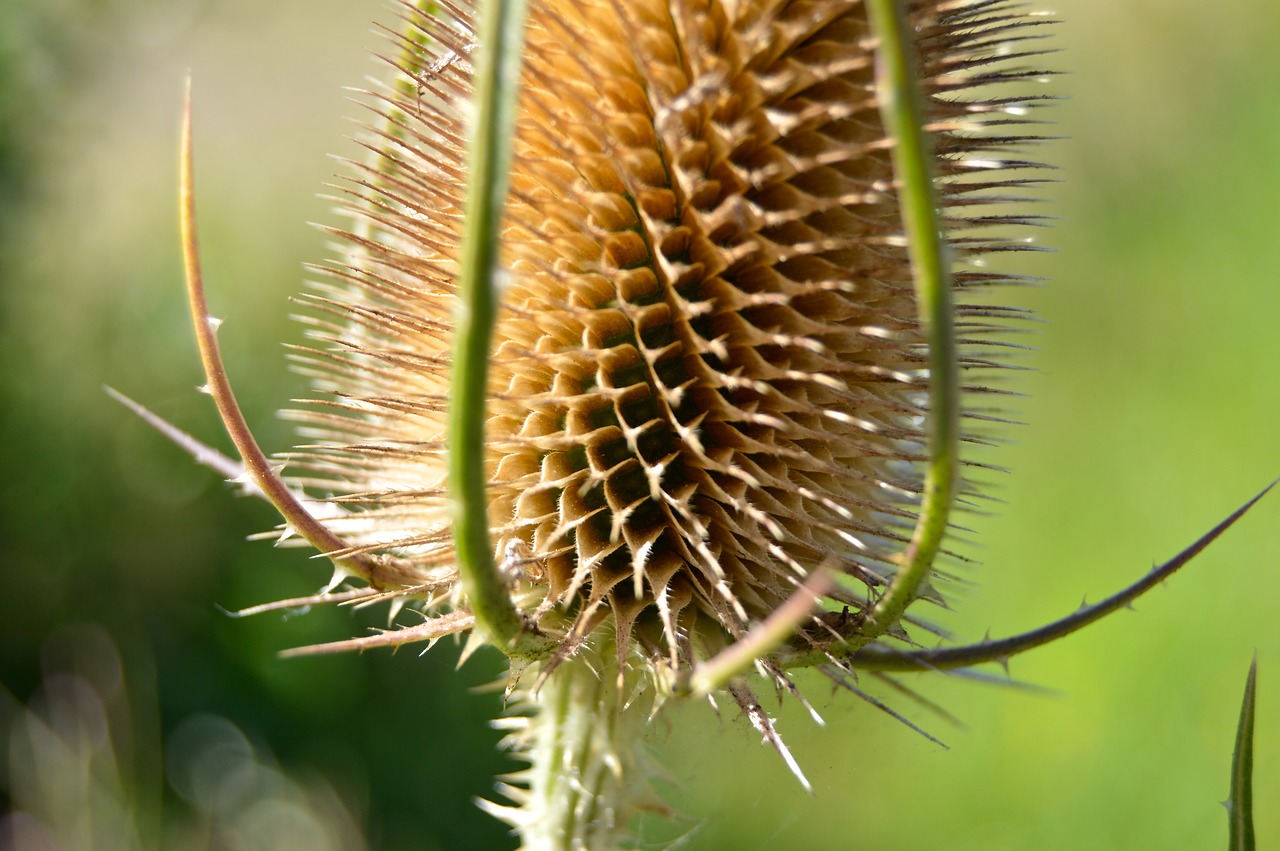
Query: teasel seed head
{"x":709,"y":376}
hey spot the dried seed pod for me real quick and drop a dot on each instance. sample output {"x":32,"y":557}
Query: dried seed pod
{"x":709,"y":376}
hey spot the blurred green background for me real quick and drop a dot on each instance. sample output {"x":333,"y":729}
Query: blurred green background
{"x":1152,"y":414}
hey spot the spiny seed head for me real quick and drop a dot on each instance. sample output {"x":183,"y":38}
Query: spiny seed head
{"x":709,"y":376}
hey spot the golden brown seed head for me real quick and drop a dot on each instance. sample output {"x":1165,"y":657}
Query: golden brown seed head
{"x":708,"y":376}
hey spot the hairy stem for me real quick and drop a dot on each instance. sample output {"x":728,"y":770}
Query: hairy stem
{"x":586,"y":779}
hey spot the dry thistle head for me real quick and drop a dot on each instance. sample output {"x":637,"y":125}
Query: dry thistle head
{"x":709,"y":377}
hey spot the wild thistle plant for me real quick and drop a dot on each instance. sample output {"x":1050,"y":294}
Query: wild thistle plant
{"x":658,"y":334}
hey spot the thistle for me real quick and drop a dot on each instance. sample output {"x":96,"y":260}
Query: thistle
{"x":646,"y":357}
{"x":709,"y":376}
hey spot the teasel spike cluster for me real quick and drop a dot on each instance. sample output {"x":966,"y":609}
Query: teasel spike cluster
{"x":706,"y":494}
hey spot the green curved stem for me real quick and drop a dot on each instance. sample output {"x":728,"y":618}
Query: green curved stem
{"x":1240,"y":804}
{"x":878,"y":657}
{"x":496,"y":81}
{"x":902,"y":111}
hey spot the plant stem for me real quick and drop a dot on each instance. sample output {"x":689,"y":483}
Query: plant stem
{"x":379,"y":572}
{"x":878,"y":657}
{"x":902,"y":110}
{"x":587,"y":778}
{"x":497,"y":69}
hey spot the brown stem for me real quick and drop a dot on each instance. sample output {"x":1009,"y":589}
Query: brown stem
{"x":378,"y":572}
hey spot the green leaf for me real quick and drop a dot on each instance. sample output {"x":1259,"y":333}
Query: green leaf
{"x":1240,"y":804}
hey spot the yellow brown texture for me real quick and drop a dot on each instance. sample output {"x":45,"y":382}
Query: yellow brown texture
{"x":708,"y":376}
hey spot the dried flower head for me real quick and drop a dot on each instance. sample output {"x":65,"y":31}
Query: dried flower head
{"x":708,"y":377}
